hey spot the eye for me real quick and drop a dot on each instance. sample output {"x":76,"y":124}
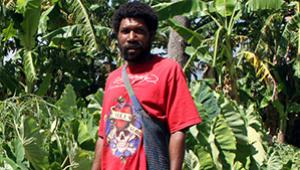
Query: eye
{"x":125,"y":31}
{"x":140,"y":31}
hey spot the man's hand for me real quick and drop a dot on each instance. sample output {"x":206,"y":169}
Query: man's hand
{"x":176,"y":150}
{"x":98,"y":151}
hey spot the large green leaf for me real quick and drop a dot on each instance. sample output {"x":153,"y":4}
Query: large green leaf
{"x":71,"y":31}
{"x":291,"y":37}
{"x":235,"y":120}
{"x":29,"y":69}
{"x":63,"y":32}
{"x":86,"y":131}
{"x":84,"y":159}
{"x":205,"y":99}
{"x":35,"y":152}
{"x":255,"y":5}
{"x":9,"y":32}
{"x":168,"y":10}
{"x":255,"y":135}
{"x":95,"y":101}
{"x":88,"y":31}
{"x":19,"y":151}
{"x":206,"y":161}
{"x":225,"y":7}
{"x":83,"y":134}
{"x":31,"y":17}
{"x":201,"y":53}
{"x":291,"y":29}
{"x":8,"y":164}
{"x":222,"y":143}
{"x":67,"y":102}
{"x":189,"y":35}
{"x":274,"y":162}
{"x":191,"y":160}
{"x":44,"y":19}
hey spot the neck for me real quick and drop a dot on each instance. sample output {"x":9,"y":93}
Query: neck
{"x":146,"y":58}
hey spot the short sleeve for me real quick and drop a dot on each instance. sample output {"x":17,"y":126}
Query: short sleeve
{"x":181,"y":111}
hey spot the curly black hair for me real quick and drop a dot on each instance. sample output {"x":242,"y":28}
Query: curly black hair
{"x":135,"y":9}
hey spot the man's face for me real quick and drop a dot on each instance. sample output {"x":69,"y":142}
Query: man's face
{"x":134,"y":39}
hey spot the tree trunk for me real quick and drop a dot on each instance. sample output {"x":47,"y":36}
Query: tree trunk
{"x":176,"y":44}
{"x":280,"y":137}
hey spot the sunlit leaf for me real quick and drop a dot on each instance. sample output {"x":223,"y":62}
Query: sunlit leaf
{"x":204,"y":95}
{"x":255,"y":5}
{"x":30,"y":23}
{"x":223,"y":143}
{"x":262,"y":70}
{"x":82,"y":17}
{"x":9,"y":32}
{"x":255,"y":135}
{"x":84,"y":133}
{"x":67,"y":101}
{"x":234,"y":119}
{"x":206,"y":161}
{"x":274,"y":162}
{"x":42,"y":28}
{"x":19,"y":151}
{"x":95,"y":101}
{"x":29,"y":69}
{"x":225,"y":7}
{"x":84,"y":159}
{"x":170,"y":9}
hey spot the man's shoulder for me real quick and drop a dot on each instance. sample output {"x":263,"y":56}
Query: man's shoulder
{"x":114,"y":73}
{"x":167,"y":63}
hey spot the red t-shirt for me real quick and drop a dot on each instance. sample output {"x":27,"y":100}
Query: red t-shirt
{"x":161,"y":88}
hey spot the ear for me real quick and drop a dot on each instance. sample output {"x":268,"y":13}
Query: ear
{"x":152,"y":36}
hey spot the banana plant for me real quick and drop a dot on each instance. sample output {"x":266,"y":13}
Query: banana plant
{"x":37,"y":134}
{"x":227,"y":129}
{"x":31,"y":11}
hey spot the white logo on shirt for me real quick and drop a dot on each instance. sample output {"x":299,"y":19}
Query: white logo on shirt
{"x":135,"y":79}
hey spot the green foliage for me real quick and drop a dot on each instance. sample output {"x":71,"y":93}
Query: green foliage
{"x":31,"y":11}
{"x":29,"y":69}
{"x":88,"y":32}
{"x":9,"y":32}
{"x":225,"y":7}
{"x":168,"y":10}
{"x":49,"y":44}
{"x":243,"y":66}
{"x":39,"y":135}
{"x":282,"y":156}
{"x":226,"y":129}
{"x":256,"y":5}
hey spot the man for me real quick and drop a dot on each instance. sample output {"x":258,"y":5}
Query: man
{"x":160,"y":87}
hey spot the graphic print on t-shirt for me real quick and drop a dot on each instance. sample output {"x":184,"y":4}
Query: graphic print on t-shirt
{"x":123,"y":129}
{"x":135,"y":79}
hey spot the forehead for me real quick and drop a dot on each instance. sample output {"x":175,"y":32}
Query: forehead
{"x":132,"y":22}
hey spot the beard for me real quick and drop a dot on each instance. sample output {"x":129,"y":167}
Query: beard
{"x":135,"y":52}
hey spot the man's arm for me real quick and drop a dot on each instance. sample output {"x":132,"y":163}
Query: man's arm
{"x":176,"y":150}
{"x":98,"y":151}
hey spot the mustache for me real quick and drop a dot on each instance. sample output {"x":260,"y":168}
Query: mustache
{"x":134,"y":44}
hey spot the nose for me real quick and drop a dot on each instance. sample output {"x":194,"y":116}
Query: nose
{"x":132,"y":36}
